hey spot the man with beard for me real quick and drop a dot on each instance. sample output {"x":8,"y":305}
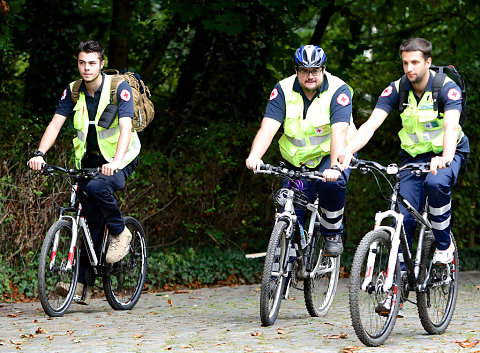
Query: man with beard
{"x":113,"y":148}
{"x":315,"y":108}
{"x":427,"y":135}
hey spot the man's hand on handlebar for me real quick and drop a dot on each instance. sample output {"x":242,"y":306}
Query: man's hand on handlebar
{"x":345,"y":158}
{"x":36,"y":163}
{"x":438,"y":162}
{"x":253,"y":163}
{"x":332,"y":174}
{"x":110,"y":168}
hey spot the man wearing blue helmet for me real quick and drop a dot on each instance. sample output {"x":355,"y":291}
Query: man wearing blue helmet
{"x":315,"y":108}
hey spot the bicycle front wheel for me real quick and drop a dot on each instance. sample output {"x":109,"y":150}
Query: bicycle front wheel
{"x":274,"y":279}
{"x":57,"y":280}
{"x":437,"y":303}
{"x":321,"y":284}
{"x":373,"y":310}
{"x":124,"y":281}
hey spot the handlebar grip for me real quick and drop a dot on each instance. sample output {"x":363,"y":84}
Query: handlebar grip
{"x":264,"y":167}
{"x":354,"y":161}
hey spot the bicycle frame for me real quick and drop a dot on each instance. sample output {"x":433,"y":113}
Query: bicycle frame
{"x":398,"y":238}
{"x":77,"y":222}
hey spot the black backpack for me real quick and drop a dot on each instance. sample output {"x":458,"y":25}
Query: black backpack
{"x":438,"y":79}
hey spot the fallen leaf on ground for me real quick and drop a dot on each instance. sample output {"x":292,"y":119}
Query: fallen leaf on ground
{"x":99,"y":325}
{"x":169,"y":348}
{"x":186,"y":346}
{"x":2,"y":343}
{"x":170,"y":301}
{"x":15,"y":343}
{"x":16,"y":314}
{"x":138,"y":335}
{"x":30,"y":335}
{"x":281,"y":331}
{"x":50,"y":337}
{"x":40,"y":330}
{"x":342,"y":335}
{"x":179,"y":291}
{"x":69,"y":332}
{"x":35,"y":321}
{"x":256,"y":333}
{"x":467,"y":343}
{"x":76,"y":340}
{"x":248,"y":350}
{"x":351,"y":349}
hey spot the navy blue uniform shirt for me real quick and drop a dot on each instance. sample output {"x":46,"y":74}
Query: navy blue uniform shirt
{"x":340,"y":106}
{"x":450,"y":95}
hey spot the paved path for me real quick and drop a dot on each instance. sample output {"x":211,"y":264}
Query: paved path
{"x":225,"y":319}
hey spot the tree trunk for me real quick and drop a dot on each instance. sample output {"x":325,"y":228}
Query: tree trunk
{"x":120,"y":32}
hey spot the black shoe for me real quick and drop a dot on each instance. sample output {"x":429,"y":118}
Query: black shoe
{"x":333,"y":246}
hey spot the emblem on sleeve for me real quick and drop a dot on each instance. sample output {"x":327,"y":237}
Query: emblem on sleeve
{"x":387,"y":91}
{"x":343,"y":99}
{"x":64,"y":95}
{"x":125,"y":95}
{"x":274,"y":94}
{"x":453,"y":94}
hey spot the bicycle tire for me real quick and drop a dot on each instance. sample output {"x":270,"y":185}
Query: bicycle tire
{"x":123,"y":283}
{"x":320,"y":289}
{"x":437,"y":304}
{"x":274,"y":277}
{"x":371,"y":328}
{"x":51,"y":273}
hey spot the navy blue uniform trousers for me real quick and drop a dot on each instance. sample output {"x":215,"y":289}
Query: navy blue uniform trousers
{"x":332,"y":195}
{"x":100,"y":208}
{"x":437,"y":188}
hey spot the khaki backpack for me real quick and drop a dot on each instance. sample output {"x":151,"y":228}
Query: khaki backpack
{"x":143,"y":110}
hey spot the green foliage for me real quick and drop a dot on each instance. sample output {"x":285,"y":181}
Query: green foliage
{"x":204,"y":266}
{"x":210,"y":66}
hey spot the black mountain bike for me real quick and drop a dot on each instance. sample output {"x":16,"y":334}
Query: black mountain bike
{"x":60,"y":255}
{"x":377,"y":286}
{"x":295,"y":254}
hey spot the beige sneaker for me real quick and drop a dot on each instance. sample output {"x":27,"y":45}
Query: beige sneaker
{"x":81,"y":296}
{"x":118,"y":246}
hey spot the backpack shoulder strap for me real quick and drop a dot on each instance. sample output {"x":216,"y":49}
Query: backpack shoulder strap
{"x":437,"y":85}
{"x":116,"y":80}
{"x":402,"y":94}
{"x":75,"y":90}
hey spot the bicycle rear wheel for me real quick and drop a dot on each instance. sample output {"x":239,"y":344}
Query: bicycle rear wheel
{"x":275,"y":274}
{"x":321,"y":284}
{"x":437,"y":304}
{"x":52,"y":270}
{"x":367,"y":296}
{"x":124,"y":280}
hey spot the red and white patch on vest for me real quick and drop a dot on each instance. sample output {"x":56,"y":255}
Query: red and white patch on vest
{"x":343,"y":99}
{"x":274,"y":94}
{"x":387,"y":91}
{"x":125,"y":95}
{"x":64,"y":94}
{"x":453,"y":94}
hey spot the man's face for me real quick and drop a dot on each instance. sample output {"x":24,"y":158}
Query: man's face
{"x":415,"y":66}
{"x":311,"y":78}
{"x":89,"y":66}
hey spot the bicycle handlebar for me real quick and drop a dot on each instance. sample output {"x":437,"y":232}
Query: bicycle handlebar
{"x":391,"y":169}
{"x":288,"y":173}
{"x":92,"y":173}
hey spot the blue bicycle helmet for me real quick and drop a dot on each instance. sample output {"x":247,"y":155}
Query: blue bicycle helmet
{"x":310,"y":56}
